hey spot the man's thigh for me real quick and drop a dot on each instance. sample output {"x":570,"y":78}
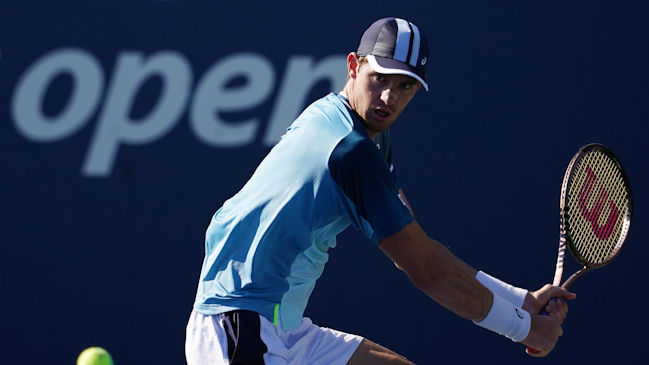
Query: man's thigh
{"x":369,"y":352}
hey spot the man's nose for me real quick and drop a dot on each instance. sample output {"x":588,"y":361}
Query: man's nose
{"x":388,"y":96}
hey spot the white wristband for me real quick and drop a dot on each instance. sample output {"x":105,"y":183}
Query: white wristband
{"x":507,"y":319}
{"x":506,"y":291}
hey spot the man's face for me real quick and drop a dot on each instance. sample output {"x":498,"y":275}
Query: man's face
{"x":378,"y":98}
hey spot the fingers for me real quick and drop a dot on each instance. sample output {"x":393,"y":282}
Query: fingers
{"x":552,"y":291}
{"x":537,"y":301}
{"x":552,"y":300}
{"x":557,"y":309}
{"x":556,"y":305}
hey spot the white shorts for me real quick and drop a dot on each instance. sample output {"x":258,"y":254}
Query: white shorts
{"x":214,"y":339}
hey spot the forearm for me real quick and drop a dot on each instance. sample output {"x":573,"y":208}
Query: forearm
{"x":451,"y":282}
{"x":440,"y":274}
{"x":457,"y":288}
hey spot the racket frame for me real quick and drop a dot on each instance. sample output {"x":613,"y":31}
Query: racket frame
{"x":566,"y":240}
{"x":564,"y":237}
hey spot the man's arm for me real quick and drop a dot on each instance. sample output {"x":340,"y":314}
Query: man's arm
{"x":433,"y":269}
{"x":534,"y":301}
{"x":437,"y":272}
{"x":451,"y":282}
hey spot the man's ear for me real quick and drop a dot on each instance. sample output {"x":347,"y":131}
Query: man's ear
{"x":352,"y":65}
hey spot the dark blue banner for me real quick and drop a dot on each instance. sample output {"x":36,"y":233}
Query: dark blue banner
{"x":125,"y":124}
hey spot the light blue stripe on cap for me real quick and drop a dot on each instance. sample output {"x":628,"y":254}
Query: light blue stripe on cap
{"x":403,"y":41}
{"x":415,"y":46}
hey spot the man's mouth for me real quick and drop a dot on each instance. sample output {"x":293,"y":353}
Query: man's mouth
{"x":381,"y":113}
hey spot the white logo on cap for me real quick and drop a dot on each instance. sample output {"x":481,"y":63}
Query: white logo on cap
{"x":423,"y":61}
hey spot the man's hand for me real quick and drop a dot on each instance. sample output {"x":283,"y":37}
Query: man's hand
{"x":546,"y":328}
{"x":537,"y":301}
{"x":544,"y":334}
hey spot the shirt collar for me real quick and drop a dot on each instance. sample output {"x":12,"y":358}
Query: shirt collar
{"x":358,"y":124}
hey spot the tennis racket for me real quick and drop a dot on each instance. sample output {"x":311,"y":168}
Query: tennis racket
{"x":595,"y":211}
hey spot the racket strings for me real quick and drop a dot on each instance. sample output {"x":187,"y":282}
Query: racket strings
{"x":598,"y":203}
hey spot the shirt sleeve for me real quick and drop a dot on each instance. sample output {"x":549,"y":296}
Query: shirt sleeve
{"x":384,"y":144}
{"x":363,"y":175}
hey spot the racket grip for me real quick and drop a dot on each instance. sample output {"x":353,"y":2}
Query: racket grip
{"x":543,"y":312}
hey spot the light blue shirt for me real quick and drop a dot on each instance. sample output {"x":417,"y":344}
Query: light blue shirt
{"x":267,"y":245}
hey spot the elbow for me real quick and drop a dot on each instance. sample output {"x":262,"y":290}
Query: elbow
{"x":424,"y":280}
{"x":429,"y":272}
{"x":421,"y":283}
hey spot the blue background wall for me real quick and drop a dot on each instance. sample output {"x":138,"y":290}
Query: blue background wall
{"x":112,"y":258}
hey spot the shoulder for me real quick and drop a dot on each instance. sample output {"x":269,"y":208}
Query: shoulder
{"x":357,"y":152}
{"x":329,"y":107}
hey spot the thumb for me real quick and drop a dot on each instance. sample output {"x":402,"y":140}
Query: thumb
{"x":559,"y":292}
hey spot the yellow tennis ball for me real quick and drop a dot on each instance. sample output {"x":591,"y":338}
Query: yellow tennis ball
{"x":94,"y":356}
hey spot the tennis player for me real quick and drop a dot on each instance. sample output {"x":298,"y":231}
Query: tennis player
{"x":266,"y":246}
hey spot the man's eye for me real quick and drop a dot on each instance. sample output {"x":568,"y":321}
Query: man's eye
{"x":409,"y":85}
{"x":380,"y":77}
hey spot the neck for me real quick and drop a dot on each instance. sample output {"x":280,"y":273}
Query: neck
{"x":345,"y":92}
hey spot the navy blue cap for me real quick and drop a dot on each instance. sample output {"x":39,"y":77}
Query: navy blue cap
{"x":396,"y":46}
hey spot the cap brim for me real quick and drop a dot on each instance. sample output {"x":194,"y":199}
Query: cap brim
{"x":390,"y":66}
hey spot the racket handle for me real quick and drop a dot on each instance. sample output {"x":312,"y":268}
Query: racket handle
{"x":543,"y":312}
